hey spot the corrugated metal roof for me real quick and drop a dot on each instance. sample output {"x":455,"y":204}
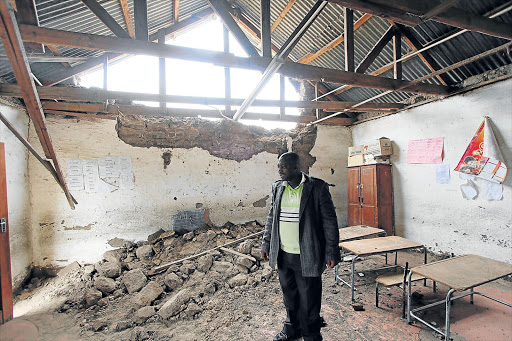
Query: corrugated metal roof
{"x":73,"y":15}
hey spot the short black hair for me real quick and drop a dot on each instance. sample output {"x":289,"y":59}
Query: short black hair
{"x":291,"y":157}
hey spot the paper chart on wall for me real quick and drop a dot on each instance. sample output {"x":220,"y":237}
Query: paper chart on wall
{"x":425,"y":150}
{"x":442,"y":174}
{"x":101,"y":175}
{"x":75,"y":179}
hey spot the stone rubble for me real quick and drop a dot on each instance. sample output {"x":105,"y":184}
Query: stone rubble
{"x":124,"y":290}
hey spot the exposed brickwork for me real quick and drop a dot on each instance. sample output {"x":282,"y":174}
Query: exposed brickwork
{"x":225,"y":139}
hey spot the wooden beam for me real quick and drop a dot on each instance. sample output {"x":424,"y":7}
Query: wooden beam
{"x":227,"y":71}
{"x":105,"y":71}
{"x":106,"y":18}
{"x":84,"y":94}
{"x":92,"y":109}
{"x":312,"y":56}
{"x":282,"y":87}
{"x":452,"y":16}
{"x":397,"y":54}
{"x":436,"y":9}
{"x":376,"y":50}
{"x":56,"y":52}
{"x":127,"y":17}
{"x":137,"y":109}
{"x":176,"y":10}
{"x":162,"y":79}
{"x":77,"y":114}
{"x":348,"y":32}
{"x":140,"y":12}
{"x":290,"y":69}
{"x":225,"y":249}
{"x":425,"y":57}
{"x":282,"y":15}
{"x":27,"y":14}
{"x":266,"y":41}
{"x":220,"y":7}
{"x":379,"y":10}
{"x":13,"y":46}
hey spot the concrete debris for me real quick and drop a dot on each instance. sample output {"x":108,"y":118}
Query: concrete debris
{"x":105,"y":285}
{"x":134,"y":280}
{"x":122,"y":292}
{"x":144,"y":252}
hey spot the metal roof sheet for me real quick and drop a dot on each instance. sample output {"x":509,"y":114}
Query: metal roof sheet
{"x":73,"y":15}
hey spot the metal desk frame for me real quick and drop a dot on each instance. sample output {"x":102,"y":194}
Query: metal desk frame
{"x":477,"y":263}
{"x":390,"y":244}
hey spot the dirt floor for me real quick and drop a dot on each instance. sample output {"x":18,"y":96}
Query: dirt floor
{"x":134,"y":294}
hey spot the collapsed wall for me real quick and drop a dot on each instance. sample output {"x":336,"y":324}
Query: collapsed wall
{"x":222,"y":170}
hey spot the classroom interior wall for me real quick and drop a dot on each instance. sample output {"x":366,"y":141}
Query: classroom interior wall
{"x":167,"y":181}
{"x":436,"y":214}
{"x":18,"y":194}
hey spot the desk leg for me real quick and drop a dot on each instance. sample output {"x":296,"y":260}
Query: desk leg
{"x":425,"y":262}
{"x":409,"y":297}
{"x":352,"y":278}
{"x":471,"y":296}
{"x":447,"y":321}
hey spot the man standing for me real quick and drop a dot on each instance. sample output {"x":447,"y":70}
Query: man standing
{"x":301,"y":237}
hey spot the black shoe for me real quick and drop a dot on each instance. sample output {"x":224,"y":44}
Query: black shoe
{"x":282,"y":336}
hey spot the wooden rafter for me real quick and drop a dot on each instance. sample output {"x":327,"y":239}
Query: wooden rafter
{"x":83,"y":94}
{"x":397,"y":54}
{"x":436,"y":9}
{"x":414,"y":43}
{"x":290,"y":69}
{"x":176,"y":10}
{"x":376,"y":50}
{"x":282,"y":15}
{"x":56,"y":52}
{"x":127,"y":17}
{"x":90,"y":110}
{"x":140,"y":13}
{"x":251,"y":29}
{"x":106,"y":18}
{"x":348,"y":32}
{"x":94,"y":62}
{"x":312,"y":56}
{"x":13,"y":46}
{"x":266,"y":40}
{"x":27,"y":14}
{"x":379,"y":10}
{"x":220,"y":7}
{"x":451,"y":16}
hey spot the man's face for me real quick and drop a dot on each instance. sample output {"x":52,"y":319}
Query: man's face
{"x":287,"y":169}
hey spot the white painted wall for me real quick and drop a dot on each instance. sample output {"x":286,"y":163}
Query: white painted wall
{"x":228,"y":188}
{"x":436,"y":214}
{"x":18,"y":196}
{"x":331,"y":151}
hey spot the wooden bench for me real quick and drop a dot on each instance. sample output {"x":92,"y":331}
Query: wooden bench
{"x":393,"y":278}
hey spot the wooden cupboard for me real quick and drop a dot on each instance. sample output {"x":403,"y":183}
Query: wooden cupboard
{"x":370,"y":197}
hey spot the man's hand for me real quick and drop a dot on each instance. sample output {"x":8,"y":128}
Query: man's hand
{"x":330,"y":264}
{"x":264,"y":255}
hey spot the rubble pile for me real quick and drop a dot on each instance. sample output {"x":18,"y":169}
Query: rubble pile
{"x":167,"y":278}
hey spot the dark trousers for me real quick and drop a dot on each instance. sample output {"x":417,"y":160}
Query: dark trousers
{"x":302,"y":298}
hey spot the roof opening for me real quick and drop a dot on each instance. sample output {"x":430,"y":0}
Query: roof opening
{"x":187,"y":78}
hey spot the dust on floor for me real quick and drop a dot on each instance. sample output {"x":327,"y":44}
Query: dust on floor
{"x":224,"y":294}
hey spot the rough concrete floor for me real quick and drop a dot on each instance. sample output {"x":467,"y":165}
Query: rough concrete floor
{"x":484,"y":320}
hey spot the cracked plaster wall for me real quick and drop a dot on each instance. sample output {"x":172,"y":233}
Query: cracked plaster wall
{"x":168,"y":179}
{"x":18,"y":195}
{"x":436,"y":214}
